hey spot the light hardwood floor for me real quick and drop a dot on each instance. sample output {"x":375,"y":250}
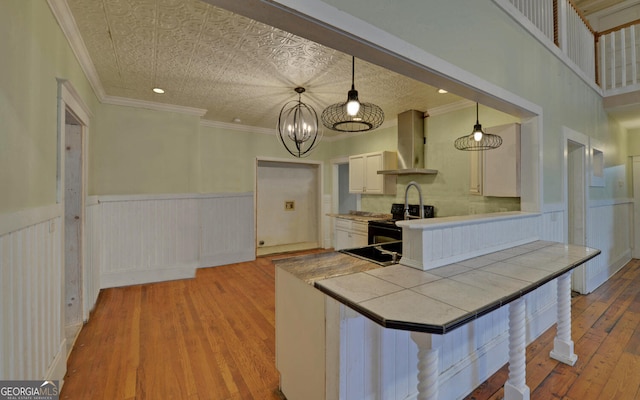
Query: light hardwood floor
{"x":213,"y":337}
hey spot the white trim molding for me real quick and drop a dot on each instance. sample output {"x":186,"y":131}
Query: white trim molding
{"x":152,"y":105}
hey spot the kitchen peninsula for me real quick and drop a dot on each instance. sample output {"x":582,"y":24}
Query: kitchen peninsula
{"x":377,"y":332}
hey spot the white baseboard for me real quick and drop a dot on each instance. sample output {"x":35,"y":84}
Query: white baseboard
{"x":127,"y":278}
{"x":607,"y":273}
{"x":227,"y":258}
{"x":58,"y":367}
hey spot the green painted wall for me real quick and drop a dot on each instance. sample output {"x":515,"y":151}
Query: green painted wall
{"x":633,"y":142}
{"x":34,"y":53}
{"x":228,"y":158}
{"x":140,"y":151}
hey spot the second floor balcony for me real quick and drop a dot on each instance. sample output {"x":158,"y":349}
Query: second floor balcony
{"x":609,"y":61}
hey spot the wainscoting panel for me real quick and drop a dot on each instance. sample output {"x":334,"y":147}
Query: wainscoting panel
{"x":163,"y":237}
{"x":148,"y":239}
{"x":92,"y":253}
{"x":227,"y":224}
{"x":609,"y":229}
{"x":32,"y":342}
{"x":553,"y":224}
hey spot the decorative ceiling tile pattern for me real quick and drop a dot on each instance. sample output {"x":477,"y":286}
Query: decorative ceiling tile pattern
{"x":206,"y":57}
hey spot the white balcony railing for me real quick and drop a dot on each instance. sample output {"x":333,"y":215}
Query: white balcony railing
{"x":618,"y":51}
{"x":608,"y":59}
{"x":559,"y":25}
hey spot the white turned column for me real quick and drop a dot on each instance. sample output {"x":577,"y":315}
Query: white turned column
{"x":428,"y":363}
{"x":562,"y":344}
{"x":516,"y":386}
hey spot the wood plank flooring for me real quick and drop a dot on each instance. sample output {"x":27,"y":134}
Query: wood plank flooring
{"x":213,"y":337}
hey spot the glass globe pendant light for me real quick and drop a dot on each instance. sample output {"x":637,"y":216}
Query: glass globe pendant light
{"x":298,"y":127}
{"x":478,"y":139}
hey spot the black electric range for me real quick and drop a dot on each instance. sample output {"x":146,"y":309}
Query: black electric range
{"x":386,"y":230}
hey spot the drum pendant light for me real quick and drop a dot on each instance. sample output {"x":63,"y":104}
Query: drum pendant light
{"x":298,"y":127}
{"x":478,"y":139}
{"x":352,"y":115}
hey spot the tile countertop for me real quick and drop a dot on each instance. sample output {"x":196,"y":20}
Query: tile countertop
{"x":441,"y":299}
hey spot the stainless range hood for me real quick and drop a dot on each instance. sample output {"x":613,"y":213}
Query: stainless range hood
{"x":411,"y":143}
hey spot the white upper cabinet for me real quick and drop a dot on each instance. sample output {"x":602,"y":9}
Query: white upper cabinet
{"x":363,"y":173}
{"x":497,"y":172}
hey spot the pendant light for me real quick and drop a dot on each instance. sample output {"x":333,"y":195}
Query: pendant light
{"x":352,"y":115}
{"x":478,"y":139}
{"x":298,"y":126}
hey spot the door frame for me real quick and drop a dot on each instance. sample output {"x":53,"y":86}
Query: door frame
{"x":70,"y":101}
{"x":319,"y":165}
{"x":335,"y":187}
{"x":579,"y":276}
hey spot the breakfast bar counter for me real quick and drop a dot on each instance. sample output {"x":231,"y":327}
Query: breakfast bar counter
{"x":434,"y":302}
{"x":441,"y":299}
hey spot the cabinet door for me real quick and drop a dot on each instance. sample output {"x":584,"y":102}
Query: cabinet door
{"x":373,"y":183}
{"x":343,"y":239}
{"x":356,"y":174}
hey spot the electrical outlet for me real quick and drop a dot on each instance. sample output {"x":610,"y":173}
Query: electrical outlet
{"x":289,"y":205}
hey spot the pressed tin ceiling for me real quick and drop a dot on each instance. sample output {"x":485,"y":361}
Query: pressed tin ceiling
{"x":232,"y":66}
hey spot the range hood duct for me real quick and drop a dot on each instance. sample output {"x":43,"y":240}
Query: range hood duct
{"x":411,"y":143}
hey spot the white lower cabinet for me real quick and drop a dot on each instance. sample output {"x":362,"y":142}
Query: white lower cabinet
{"x":350,"y":233}
{"x":300,"y":338}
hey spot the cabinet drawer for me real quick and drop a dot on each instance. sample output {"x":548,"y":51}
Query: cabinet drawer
{"x":342,"y":223}
{"x":359,"y":227}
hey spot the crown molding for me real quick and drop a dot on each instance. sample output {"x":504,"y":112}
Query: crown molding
{"x":447,"y":108}
{"x":236,"y":127}
{"x":150,"y":105}
{"x":67,"y":24}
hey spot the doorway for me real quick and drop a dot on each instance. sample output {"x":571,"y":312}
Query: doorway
{"x":343,"y":201}
{"x":288,"y":206}
{"x":73,"y":125}
{"x":575,"y":197}
{"x":73,"y":225}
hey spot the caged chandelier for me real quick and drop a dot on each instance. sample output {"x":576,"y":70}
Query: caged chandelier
{"x":352,"y":115}
{"x":298,"y":127}
{"x":478,"y":139}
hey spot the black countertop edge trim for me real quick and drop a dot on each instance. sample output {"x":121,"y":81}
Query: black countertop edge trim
{"x":453,"y":324}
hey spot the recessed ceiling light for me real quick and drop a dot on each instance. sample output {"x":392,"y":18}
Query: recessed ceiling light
{"x":442,"y":91}
{"x":237,"y":120}
{"x":158,"y":90}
